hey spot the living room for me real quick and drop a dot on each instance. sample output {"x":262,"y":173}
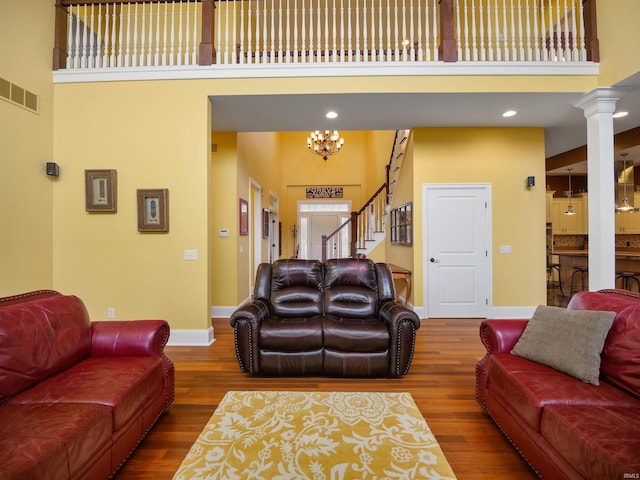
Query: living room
{"x":157,"y":134}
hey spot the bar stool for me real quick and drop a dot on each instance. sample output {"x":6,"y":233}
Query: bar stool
{"x":551,"y":268}
{"x":583,"y":275}
{"x":627,"y":278}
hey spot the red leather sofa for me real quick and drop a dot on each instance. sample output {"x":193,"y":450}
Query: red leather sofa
{"x":76,"y":397}
{"x":563,"y":427}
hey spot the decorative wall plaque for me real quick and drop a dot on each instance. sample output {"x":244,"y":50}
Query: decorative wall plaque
{"x":324,"y":192}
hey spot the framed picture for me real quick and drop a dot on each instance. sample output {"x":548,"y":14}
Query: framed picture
{"x":100,"y":191}
{"x":265,"y":222}
{"x":153,"y":210}
{"x":402,"y":225}
{"x":244,"y":217}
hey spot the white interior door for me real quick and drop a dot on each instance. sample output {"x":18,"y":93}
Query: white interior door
{"x":457,"y":262}
{"x":320,"y":224}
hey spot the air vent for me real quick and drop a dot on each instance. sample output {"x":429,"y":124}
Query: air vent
{"x":18,"y":95}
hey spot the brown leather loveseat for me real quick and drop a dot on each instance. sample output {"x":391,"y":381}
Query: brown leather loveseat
{"x":337,"y":318}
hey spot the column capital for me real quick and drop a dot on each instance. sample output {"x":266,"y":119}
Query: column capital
{"x":600,"y":100}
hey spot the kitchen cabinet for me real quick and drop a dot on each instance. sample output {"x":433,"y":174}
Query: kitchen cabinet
{"x":568,"y":224}
{"x":549,"y":205}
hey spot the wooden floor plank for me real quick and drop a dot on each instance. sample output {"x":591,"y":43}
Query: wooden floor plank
{"x":441,"y":381}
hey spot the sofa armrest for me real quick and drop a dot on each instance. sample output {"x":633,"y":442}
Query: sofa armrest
{"x":246,"y":322}
{"x":133,"y":337}
{"x":497,"y":336}
{"x":402,"y":323}
{"x":500,"y":336}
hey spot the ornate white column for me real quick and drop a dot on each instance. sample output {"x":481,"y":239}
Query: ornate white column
{"x":599,"y":106}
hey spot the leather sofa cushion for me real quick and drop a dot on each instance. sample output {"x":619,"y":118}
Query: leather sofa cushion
{"x":291,"y":334}
{"x":290,"y":363}
{"x":296,"y":302}
{"x":351,"y":272}
{"x":529,"y":387}
{"x":122,"y":383}
{"x":350,"y":364}
{"x":620,"y":362}
{"x":358,"y":335}
{"x":52,"y":441}
{"x":40,"y":339}
{"x":602,"y":443}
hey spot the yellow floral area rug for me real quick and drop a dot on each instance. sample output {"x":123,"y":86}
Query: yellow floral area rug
{"x":315,"y":435}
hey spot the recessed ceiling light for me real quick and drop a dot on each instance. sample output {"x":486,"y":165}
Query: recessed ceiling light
{"x":331,"y":115}
{"x":620,"y":114}
{"x":509,"y":113}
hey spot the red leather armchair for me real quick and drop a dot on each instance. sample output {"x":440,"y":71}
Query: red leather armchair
{"x":338,"y":318}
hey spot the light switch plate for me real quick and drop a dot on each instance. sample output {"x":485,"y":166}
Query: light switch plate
{"x":191,"y":254}
{"x":505,"y":248}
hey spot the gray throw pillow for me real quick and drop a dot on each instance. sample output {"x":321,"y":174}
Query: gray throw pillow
{"x":569,"y":341}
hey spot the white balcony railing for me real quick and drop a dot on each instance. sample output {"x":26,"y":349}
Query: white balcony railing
{"x":256,"y":32}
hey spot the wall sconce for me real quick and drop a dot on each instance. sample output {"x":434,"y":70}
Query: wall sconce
{"x":531,"y":182}
{"x":52,"y":169}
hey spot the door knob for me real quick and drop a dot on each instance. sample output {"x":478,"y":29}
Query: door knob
{"x":433,"y":260}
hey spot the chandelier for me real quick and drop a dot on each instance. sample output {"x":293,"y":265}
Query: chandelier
{"x":570,"y":206}
{"x":625,"y":207}
{"x":325,"y":143}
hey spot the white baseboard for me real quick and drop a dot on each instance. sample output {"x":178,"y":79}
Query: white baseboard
{"x":191,"y":338}
{"x":499,"y":313}
{"x":222,"y":312}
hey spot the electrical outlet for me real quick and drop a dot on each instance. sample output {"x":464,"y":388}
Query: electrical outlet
{"x":191,"y":254}
{"x":505,"y":248}
{"x":111,"y":312}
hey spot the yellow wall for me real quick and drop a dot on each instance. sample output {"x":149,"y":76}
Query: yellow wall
{"x":26,"y":144}
{"x":156,"y":136}
{"x":617,"y":31}
{"x":504,"y":158}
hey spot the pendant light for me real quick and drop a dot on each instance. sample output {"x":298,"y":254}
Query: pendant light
{"x":625,"y":207}
{"x":570,"y":206}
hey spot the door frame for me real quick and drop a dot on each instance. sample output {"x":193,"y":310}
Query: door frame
{"x":488,"y":274}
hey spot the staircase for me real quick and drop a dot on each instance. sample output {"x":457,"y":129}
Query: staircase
{"x":366,"y":228}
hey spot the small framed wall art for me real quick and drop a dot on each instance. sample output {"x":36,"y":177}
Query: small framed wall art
{"x":153,"y":210}
{"x":244,"y":217}
{"x":100,"y":187}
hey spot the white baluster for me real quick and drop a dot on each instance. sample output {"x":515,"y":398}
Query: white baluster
{"x":98,"y":52}
{"x":536,"y":36}
{"x":559,"y":49}
{"x":520,"y":32}
{"x":143,"y":35}
{"x":544,"y":49}
{"x":528,"y":31}
{"x":434,"y":18}
{"x":279,"y":31}
{"x":120,"y":37}
{"x":426,"y":24}
{"x":187,"y":34}
{"x":334,"y":38}
{"x":412,"y":46}
{"x":583,"y":50}
{"x":389,"y":57}
{"x":127,"y":52}
{"x":505,"y":41}
{"x":194,"y":54}
{"x":134,"y":56}
{"x":249,"y":44}
{"x":467,"y":51}
{"x":474,"y":33}
{"x":69,"y":62}
{"x":226,"y":40}
{"x":489,"y":35}
{"x":156,"y":56}
{"x":552,"y":43}
{"x":575,"y":55}
{"x":567,"y":32}
{"x":84,"y":41}
{"x":373,"y":48}
{"x":272,"y":50}
{"x":341,"y":31}
{"x":180,"y":20}
{"x":233,"y":42}
{"x":458,"y":31}
{"x":105,"y":48}
{"x":318,"y":32}
{"x":218,"y":14}
{"x":92,"y":55}
{"x":114,"y":40}
{"x":403,"y":38}
{"x":150,"y":59}
{"x":258,"y":30}
{"x":496,"y":22}
{"x":76,"y":56}
{"x":237,"y":45}
{"x":357,"y":46}
{"x":365,"y":33}
{"x":396,"y":29}
{"x":326,"y":32}
{"x":295,"y":31}
{"x":514,"y":53}
{"x":303,"y":33}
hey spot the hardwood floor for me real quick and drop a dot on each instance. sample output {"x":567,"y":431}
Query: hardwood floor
{"x":441,"y":380}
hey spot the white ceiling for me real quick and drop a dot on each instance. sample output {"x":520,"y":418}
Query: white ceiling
{"x":564,"y":124}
